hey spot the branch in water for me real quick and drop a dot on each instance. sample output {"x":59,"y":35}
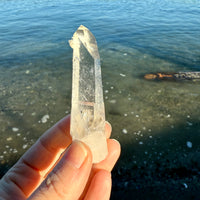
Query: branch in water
{"x":173,"y":76}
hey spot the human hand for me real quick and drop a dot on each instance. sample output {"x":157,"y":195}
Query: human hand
{"x":54,"y":169}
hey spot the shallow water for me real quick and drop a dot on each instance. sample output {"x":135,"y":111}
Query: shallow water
{"x":153,"y":120}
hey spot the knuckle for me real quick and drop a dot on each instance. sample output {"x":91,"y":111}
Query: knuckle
{"x":54,"y":183}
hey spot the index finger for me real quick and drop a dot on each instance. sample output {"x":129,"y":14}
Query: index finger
{"x":43,"y":154}
{"x":28,"y":173}
{"x":47,"y":150}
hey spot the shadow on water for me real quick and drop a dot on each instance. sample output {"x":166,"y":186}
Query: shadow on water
{"x":14,"y":118}
{"x":6,"y":166}
{"x":181,"y":60}
{"x":183,"y":63}
{"x":163,"y":167}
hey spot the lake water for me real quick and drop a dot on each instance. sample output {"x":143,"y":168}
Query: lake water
{"x":156,"y":122}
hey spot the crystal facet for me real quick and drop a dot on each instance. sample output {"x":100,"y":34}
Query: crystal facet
{"x":87,"y":112}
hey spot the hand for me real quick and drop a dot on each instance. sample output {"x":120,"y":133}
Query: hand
{"x":54,"y":169}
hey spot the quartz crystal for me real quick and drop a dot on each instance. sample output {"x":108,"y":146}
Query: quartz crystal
{"x":87,"y":111}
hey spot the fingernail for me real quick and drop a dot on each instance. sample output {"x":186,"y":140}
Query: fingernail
{"x":109,"y":124}
{"x":108,"y":128}
{"x":76,"y":154}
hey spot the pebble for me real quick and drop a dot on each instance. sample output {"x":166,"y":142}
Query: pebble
{"x":123,"y":75}
{"x":189,"y":144}
{"x":113,"y":101}
{"x":3,"y":161}
{"x":124,"y":131}
{"x":9,"y":138}
{"x":33,"y":114}
{"x":140,"y":142}
{"x":25,"y":146}
{"x":14,"y":129}
{"x":106,"y":91}
{"x":189,"y":123}
{"x":45,"y":118}
{"x":185,"y":185}
{"x":126,"y":184}
{"x":15,"y":151}
{"x":27,"y":71}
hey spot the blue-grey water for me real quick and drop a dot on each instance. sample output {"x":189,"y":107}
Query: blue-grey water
{"x":157,"y":122}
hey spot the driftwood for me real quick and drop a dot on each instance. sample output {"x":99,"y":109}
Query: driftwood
{"x":173,"y":76}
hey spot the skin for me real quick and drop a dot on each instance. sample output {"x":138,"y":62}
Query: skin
{"x":57,"y":168}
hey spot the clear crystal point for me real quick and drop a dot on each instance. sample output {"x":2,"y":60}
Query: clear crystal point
{"x":87,"y":112}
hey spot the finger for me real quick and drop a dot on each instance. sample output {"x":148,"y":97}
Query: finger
{"x":48,"y":148}
{"x":114,"y":150}
{"x":69,"y":177}
{"x":29,"y":171}
{"x":108,"y":129}
{"x":100,"y":186}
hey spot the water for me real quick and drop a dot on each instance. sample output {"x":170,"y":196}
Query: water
{"x":154,"y":121}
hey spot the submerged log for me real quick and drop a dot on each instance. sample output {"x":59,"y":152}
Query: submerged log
{"x":173,"y":76}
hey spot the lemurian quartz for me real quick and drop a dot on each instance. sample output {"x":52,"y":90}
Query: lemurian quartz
{"x":87,"y":107}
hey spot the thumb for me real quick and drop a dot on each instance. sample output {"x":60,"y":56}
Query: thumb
{"x":69,"y":177}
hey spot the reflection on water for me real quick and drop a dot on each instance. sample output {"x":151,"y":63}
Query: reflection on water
{"x":156,"y":122}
